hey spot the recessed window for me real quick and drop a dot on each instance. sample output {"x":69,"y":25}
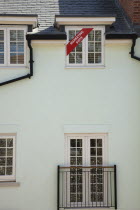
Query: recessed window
{"x":7,"y":158}
{"x":12,"y":46}
{"x":90,"y":52}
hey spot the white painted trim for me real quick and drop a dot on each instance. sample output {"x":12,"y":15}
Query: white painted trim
{"x":18,"y":20}
{"x":49,"y":42}
{"x":119,"y":41}
{"x":85,"y":20}
{"x":101,"y":128}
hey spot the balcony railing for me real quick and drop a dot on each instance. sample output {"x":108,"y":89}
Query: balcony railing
{"x":87,"y":187}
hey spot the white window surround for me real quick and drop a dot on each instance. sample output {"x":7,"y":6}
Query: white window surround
{"x":85,"y":64}
{"x":20,"y":20}
{"x":7,"y":63}
{"x":84,"y":20}
{"x":12,"y":177}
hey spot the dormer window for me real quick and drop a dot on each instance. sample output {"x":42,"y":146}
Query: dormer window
{"x":90,"y":52}
{"x":12,"y":46}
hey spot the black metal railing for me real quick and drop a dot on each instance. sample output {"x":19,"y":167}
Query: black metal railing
{"x":87,"y":187}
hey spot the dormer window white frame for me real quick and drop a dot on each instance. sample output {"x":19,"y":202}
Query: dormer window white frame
{"x":13,"y":46}
{"x":90,"y":52}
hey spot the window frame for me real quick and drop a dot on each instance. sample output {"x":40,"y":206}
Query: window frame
{"x":86,"y":147}
{"x":7,"y":46}
{"x":86,"y":156}
{"x":13,"y":176}
{"x":85,"y":63}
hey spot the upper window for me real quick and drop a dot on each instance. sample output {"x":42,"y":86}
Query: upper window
{"x":12,"y":46}
{"x":7,"y":158}
{"x":90,"y":52}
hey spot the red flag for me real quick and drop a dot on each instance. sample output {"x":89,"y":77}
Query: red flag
{"x":77,"y":39}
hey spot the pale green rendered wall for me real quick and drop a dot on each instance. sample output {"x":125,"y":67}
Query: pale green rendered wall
{"x":38,"y":109}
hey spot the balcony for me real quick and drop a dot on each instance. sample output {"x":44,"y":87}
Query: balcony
{"x":87,"y":187}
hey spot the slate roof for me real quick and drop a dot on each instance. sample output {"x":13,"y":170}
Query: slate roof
{"x":47,"y":9}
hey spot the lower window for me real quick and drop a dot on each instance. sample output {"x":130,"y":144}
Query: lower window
{"x":7,"y":158}
{"x":86,"y":185}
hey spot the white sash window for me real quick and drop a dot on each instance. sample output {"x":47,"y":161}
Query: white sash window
{"x":90,"y":52}
{"x":12,"y":46}
{"x":7,"y":158}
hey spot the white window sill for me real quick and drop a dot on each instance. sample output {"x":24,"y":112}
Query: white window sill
{"x":14,"y":67}
{"x":9,"y":184}
{"x":85,"y":67}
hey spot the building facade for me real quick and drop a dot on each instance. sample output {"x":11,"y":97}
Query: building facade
{"x":78,"y":111}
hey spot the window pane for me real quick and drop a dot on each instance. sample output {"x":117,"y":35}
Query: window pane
{"x":93,"y":161}
{"x":98,"y":58}
{"x":2,"y":151}
{"x":73,"y":188}
{"x":92,"y":151}
{"x":16,"y":46}
{"x":72,"y":152}
{"x":20,"y":58}
{"x":2,"y":142}
{"x":90,"y":57}
{"x":99,"y":151}
{"x":99,"y":161}
{"x":9,"y":152}
{"x":79,"y":151}
{"x":2,"y":161}
{"x":72,"y":58}
{"x":98,"y":47}
{"x":13,"y":47}
{"x":1,"y":58}
{"x":12,"y":35}
{"x":2,"y":170}
{"x":9,"y":161}
{"x":79,"y":142}
{"x":99,"y":142}
{"x":79,"y":47}
{"x":73,"y":161}
{"x":9,"y":171}
{"x":91,"y":36}
{"x":79,"y":161}
{"x":90,"y":46}
{"x":78,"y":57}
{"x":92,"y":142}
{"x":72,"y":197}
{"x":20,"y":46}
{"x":97,"y":35}
{"x":1,"y":46}
{"x":73,"y":142}
{"x":9,"y":142}
{"x":20,"y":35}
{"x":71,"y":35}
{"x":1,"y":35}
{"x":13,"y":58}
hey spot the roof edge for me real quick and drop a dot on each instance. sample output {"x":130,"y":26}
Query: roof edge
{"x":50,"y":36}
{"x":121,"y":36}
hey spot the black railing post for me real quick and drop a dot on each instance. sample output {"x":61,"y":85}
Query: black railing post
{"x":115,"y":185}
{"x":58,"y":171}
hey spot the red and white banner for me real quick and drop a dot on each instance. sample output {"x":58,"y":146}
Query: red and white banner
{"x":77,"y":39}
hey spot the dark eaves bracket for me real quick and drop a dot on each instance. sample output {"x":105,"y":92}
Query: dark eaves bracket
{"x":132,"y":52}
{"x":27,"y":76}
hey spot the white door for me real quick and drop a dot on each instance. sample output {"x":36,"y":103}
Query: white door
{"x":86,"y":185}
